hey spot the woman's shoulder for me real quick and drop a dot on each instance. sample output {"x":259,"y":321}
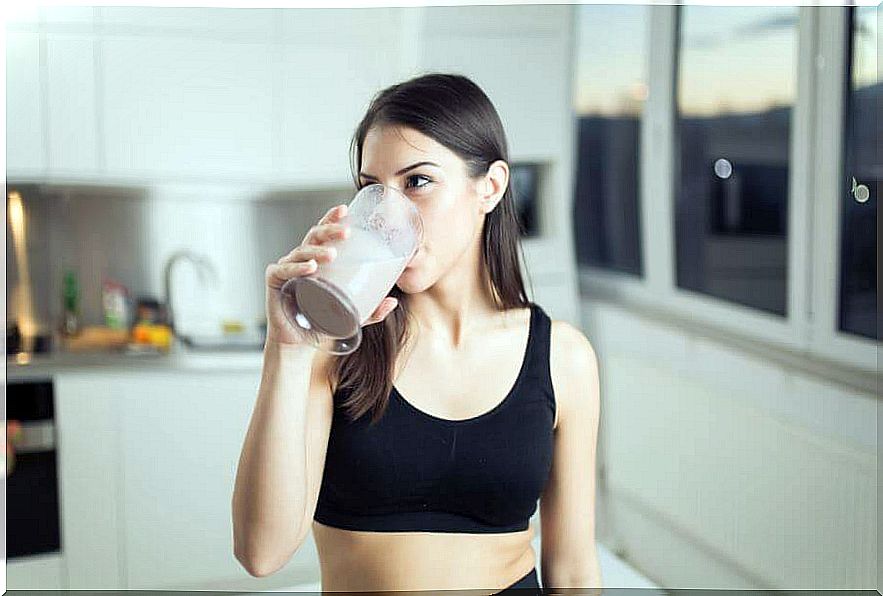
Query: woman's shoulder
{"x":568,"y":335}
{"x":569,"y":343}
{"x":573,"y":362}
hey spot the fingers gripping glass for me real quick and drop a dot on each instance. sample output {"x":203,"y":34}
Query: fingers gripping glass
{"x":329,"y":306}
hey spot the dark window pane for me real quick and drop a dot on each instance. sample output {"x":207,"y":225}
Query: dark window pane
{"x":524,"y":180}
{"x":610,"y":91}
{"x":736,"y":82}
{"x":863,"y":170}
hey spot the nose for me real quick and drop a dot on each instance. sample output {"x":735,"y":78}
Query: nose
{"x":395,"y":188}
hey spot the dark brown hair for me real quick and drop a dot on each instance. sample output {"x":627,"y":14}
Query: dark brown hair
{"x":455,"y":112}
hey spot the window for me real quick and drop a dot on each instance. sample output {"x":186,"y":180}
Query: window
{"x":862,"y":171}
{"x":525,"y":183}
{"x":759,"y":201}
{"x":735,"y":89}
{"x":610,"y":88}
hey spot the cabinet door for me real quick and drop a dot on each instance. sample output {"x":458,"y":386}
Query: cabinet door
{"x":25,"y":140}
{"x":197,"y":21}
{"x":86,"y":421}
{"x":520,"y":57}
{"x":70,"y":62}
{"x":188,"y":108}
{"x":181,"y":435}
{"x":334,"y":61}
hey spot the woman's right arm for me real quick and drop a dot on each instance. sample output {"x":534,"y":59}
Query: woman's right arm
{"x":283,"y":455}
{"x":285,"y":442}
{"x":280,"y":469}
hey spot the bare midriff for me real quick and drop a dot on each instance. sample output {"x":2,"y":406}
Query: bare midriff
{"x":381,"y":561}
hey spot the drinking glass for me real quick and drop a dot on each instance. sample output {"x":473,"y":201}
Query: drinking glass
{"x":329,"y":306}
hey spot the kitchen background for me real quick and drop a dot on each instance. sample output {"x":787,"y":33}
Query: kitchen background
{"x":710,"y":174}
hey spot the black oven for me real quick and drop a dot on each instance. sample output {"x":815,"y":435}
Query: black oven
{"x":32,"y":499}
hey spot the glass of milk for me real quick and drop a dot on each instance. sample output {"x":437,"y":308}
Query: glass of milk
{"x":329,"y":306}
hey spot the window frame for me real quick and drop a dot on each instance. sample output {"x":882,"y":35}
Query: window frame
{"x":811,"y":166}
{"x":827,"y":340}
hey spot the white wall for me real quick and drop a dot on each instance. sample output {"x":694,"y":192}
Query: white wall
{"x":725,"y":470}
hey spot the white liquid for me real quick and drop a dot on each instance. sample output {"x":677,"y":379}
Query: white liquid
{"x":365,"y":269}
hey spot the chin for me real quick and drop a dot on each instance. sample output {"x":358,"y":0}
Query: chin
{"x":409,"y":282}
{"x":403,"y":280}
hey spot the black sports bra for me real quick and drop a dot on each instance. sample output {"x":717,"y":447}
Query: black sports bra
{"x":415,"y":472}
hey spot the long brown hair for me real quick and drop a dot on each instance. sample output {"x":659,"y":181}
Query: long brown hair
{"x":455,"y":112}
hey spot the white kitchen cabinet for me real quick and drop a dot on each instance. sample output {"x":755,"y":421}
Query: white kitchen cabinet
{"x":180,"y":440}
{"x":147,"y":464}
{"x":198,"y":94}
{"x":188,"y":108}
{"x":87,"y":409}
{"x":326,"y":90}
{"x":513,"y":20}
{"x":68,"y":18}
{"x":158,"y":93}
{"x":72,"y":113}
{"x":334,"y":61}
{"x":519,"y":55}
{"x":21,"y":14}
{"x":181,"y":437}
{"x":250,"y":24}
{"x":329,"y":25}
{"x":25,"y":141}
{"x":519,"y":76}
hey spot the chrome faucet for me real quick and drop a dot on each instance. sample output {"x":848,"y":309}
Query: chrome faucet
{"x":203,"y":264}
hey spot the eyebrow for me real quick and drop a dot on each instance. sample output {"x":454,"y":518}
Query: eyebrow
{"x":403,"y":170}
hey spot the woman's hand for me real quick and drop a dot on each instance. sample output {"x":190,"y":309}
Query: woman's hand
{"x":301,"y":261}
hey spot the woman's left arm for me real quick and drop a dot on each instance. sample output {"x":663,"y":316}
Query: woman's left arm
{"x":567,"y":508}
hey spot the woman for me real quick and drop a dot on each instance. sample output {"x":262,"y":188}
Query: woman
{"x":402,"y":458}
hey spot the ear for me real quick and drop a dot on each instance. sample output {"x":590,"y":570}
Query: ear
{"x":493,"y":185}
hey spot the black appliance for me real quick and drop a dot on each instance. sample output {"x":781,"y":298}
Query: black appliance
{"x":32,"y":498}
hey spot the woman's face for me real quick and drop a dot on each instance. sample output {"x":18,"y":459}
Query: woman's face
{"x":449,"y":202}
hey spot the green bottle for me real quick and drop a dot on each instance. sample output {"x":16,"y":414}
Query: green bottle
{"x":71,"y":299}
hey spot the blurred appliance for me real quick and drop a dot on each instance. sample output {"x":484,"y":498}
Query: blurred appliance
{"x":525,"y":183}
{"x":16,"y":343}
{"x":13,"y":338}
{"x":32,"y":499}
{"x":23,"y":324}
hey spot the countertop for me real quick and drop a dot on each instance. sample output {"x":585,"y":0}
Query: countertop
{"x":42,"y":366}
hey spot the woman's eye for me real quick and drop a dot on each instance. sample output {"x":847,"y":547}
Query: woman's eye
{"x":415,"y":176}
